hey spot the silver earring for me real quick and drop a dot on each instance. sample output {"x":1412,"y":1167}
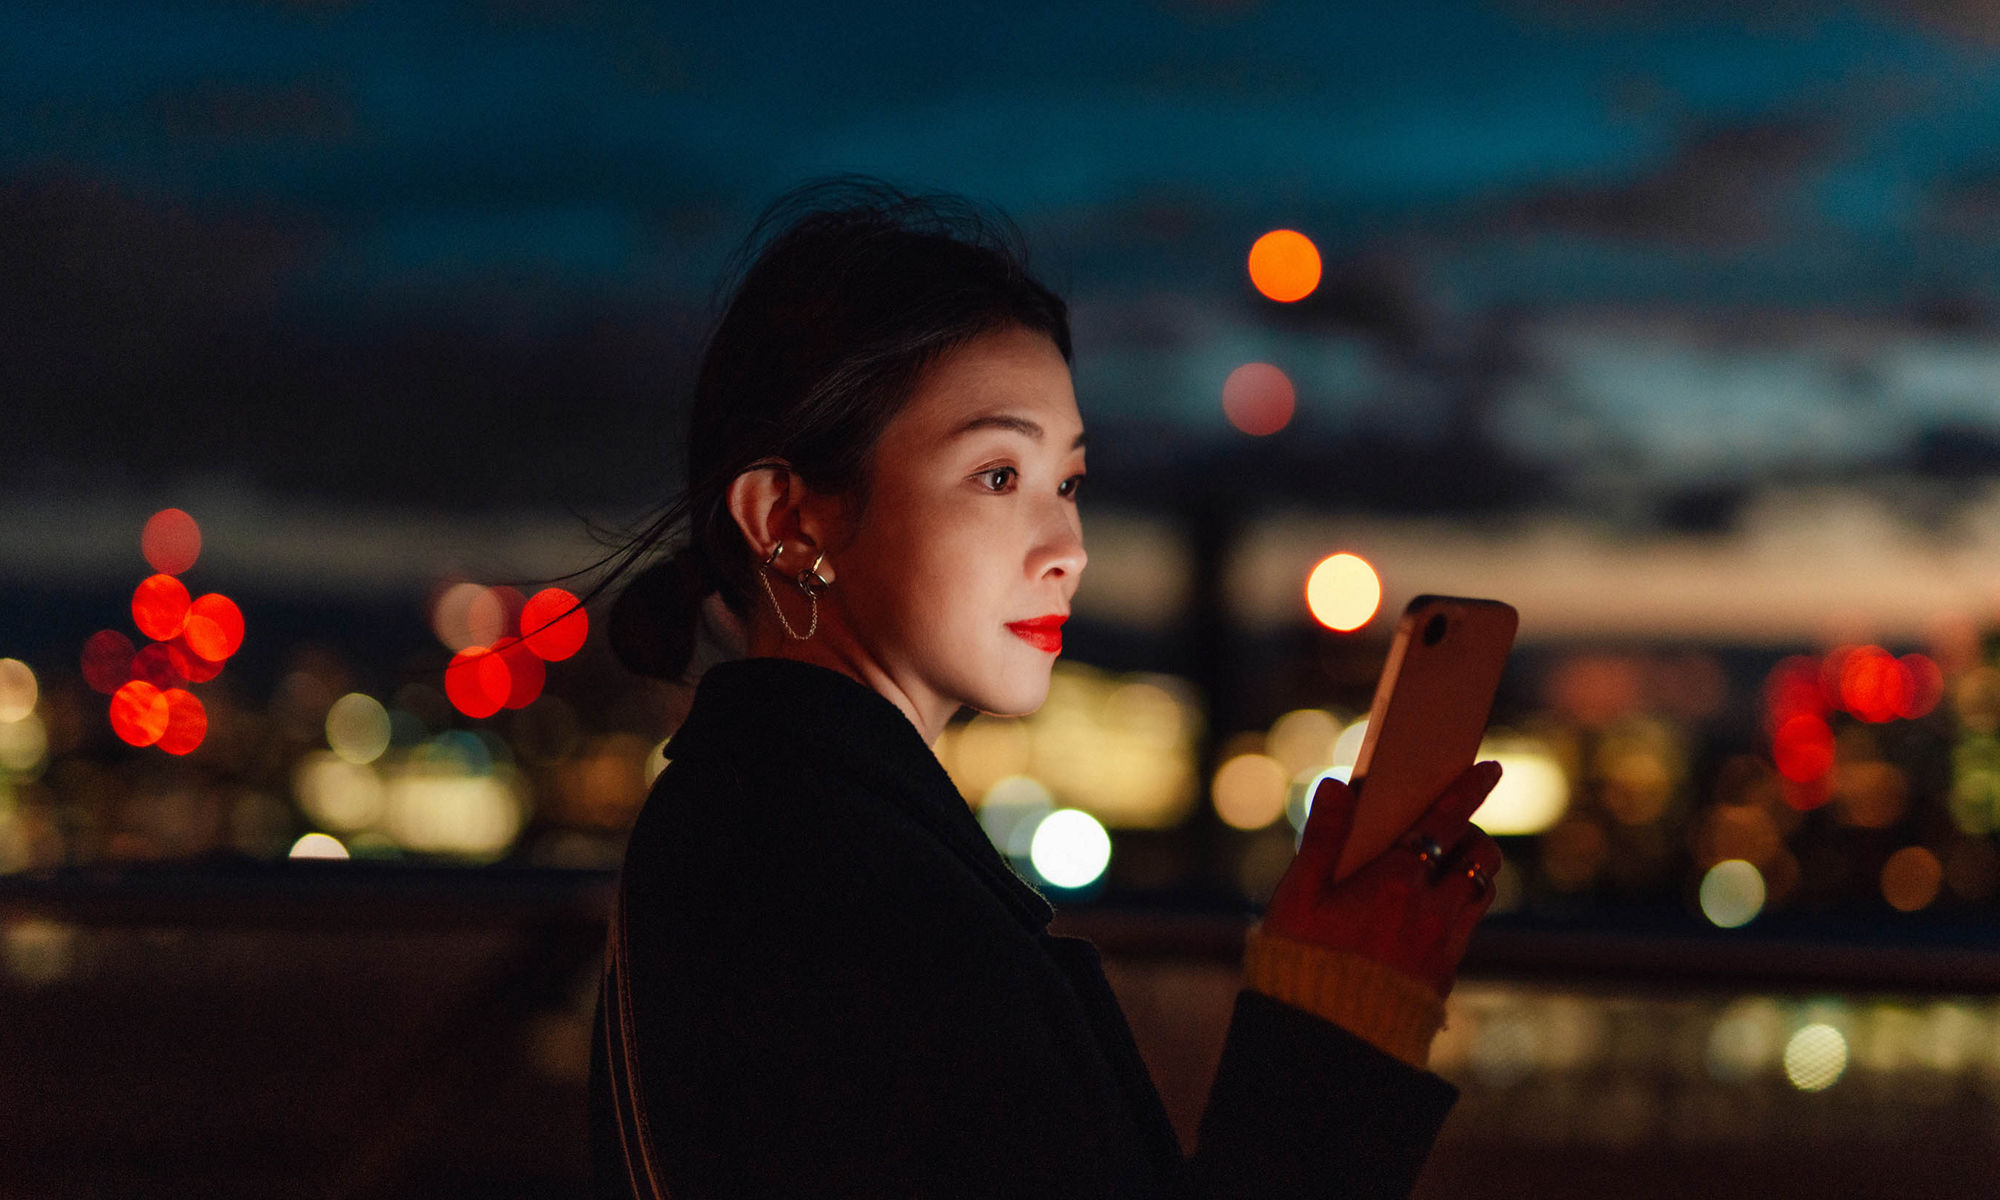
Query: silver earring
{"x":812,"y":595}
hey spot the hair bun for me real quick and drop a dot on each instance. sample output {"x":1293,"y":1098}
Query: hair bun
{"x":654,"y":621}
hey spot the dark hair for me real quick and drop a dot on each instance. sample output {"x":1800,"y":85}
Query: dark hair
{"x":845,"y":291}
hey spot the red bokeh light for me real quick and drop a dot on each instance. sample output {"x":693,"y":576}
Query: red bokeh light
{"x":1792,"y":689}
{"x":155,"y":664}
{"x":187,"y":722}
{"x":171,"y":541}
{"x":192,"y":667}
{"x":1803,"y":748}
{"x":1258,"y":399}
{"x":214,"y":627}
{"x":160,"y":607}
{"x":478,"y":681}
{"x":1874,"y":685}
{"x":1808,"y":795}
{"x":525,"y":673}
{"x":139,"y":713}
{"x":554,"y":625}
{"x":107,"y":660}
{"x":1926,"y":686}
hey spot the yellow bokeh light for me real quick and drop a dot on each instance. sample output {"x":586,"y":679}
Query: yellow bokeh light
{"x":24,"y":745}
{"x":1070,"y":849}
{"x":338,"y":794}
{"x":1815,"y":1058}
{"x":18,"y":690}
{"x":318,"y":845}
{"x":1249,"y":790}
{"x":445,"y":812}
{"x":1732,"y":893}
{"x":1285,"y":265}
{"x":1343,"y":592}
{"x":1302,"y":740}
{"x":357,"y":728}
{"x":1532,"y":795}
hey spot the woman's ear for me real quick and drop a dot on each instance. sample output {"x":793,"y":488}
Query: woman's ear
{"x":771,"y":503}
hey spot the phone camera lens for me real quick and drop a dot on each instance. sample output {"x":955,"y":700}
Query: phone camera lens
{"x":1434,"y":630}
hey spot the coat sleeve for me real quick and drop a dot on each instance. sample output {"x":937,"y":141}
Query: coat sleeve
{"x":822,"y":1014}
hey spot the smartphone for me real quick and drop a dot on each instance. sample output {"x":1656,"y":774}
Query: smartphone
{"x":1429,"y":715}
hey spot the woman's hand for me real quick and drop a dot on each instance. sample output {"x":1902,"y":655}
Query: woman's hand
{"x":1398,"y":909}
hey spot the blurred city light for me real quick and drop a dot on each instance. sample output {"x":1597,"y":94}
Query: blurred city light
{"x":139,"y":713}
{"x":1249,"y":790}
{"x":357,"y":728}
{"x":478,"y":682}
{"x":107,"y":660}
{"x":170,"y":541}
{"x":1911,"y":878}
{"x":214,"y":627}
{"x":554,"y":624}
{"x":160,"y":606}
{"x":187,"y":722}
{"x":1732,"y":893}
{"x":1533,"y":792}
{"x":1284,"y":265}
{"x":1815,"y":1058}
{"x":1070,"y":849}
{"x":318,"y":845}
{"x":18,"y":690}
{"x":1343,"y":592}
{"x":1258,"y":399}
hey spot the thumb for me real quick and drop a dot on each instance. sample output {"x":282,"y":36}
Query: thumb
{"x":1328,"y":823}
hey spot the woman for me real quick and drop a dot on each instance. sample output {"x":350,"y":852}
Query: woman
{"x":823,"y":978}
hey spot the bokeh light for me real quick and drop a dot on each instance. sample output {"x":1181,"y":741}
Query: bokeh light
{"x":338,"y":794}
{"x":1249,"y":790}
{"x":18,"y":690}
{"x":1532,"y":795}
{"x":1010,"y":811}
{"x":155,"y":664}
{"x":214,"y":627}
{"x":1343,"y":592}
{"x":1732,"y":893}
{"x":1926,"y":686}
{"x":1815,"y":1058}
{"x":191,"y":666}
{"x":171,"y":541}
{"x":477,"y":682}
{"x":139,"y":713}
{"x":107,"y":660}
{"x":24,"y":749}
{"x":1285,"y":265}
{"x":187,"y":722}
{"x":1803,"y":748}
{"x":1911,"y":878}
{"x":554,"y":625}
{"x":525,"y":673}
{"x":1302,"y":740}
{"x":1874,"y":685}
{"x":357,"y":728}
{"x":1070,"y":849}
{"x":160,"y":606}
{"x":452,"y":616}
{"x":1258,"y":399}
{"x":318,"y":845}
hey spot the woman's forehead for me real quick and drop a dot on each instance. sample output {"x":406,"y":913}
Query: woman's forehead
{"x":1010,"y":379}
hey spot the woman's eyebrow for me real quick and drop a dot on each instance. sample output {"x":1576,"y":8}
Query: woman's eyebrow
{"x":1020,"y":425}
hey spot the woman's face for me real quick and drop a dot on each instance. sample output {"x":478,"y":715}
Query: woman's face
{"x":971,"y":529}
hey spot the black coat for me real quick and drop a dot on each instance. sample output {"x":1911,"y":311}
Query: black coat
{"x":840,"y":988}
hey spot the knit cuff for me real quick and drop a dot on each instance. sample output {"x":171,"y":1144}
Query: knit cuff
{"x":1379,"y":1004}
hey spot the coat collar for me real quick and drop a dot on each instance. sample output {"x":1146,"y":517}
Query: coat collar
{"x":784,"y":710}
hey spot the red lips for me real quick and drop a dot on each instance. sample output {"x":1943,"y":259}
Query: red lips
{"x":1043,"y":633}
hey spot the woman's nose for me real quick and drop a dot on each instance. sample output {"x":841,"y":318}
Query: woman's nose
{"x":1060,"y":550}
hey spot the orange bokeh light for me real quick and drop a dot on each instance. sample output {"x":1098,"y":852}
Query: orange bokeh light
{"x":1258,"y":399}
{"x":107,"y":660}
{"x":139,"y":713}
{"x":478,"y":681}
{"x":526,"y":674}
{"x":187,"y":722}
{"x":1803,"y":748}
{"x":1284,"y":265}
{"x":214,"y":627}
{"x":192,"y":667}
{"x":1343,"y":592}
{"x":159,"y":606}
{"x":171,"y":541}
{"x":554,"y":625}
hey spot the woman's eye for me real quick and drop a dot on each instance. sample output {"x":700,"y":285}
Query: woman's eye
{"x":1069,"y":486}
{"x":997,"y":478}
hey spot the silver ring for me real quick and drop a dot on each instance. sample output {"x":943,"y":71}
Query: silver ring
{"x":1426,"y":848}
{"x":1482,"y":883}
{"x":775,"y":551}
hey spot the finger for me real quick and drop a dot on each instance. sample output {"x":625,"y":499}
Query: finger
{"x":1470,"y":870}
{"x":1447,"y":816}
{"x":1329,"y":822}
